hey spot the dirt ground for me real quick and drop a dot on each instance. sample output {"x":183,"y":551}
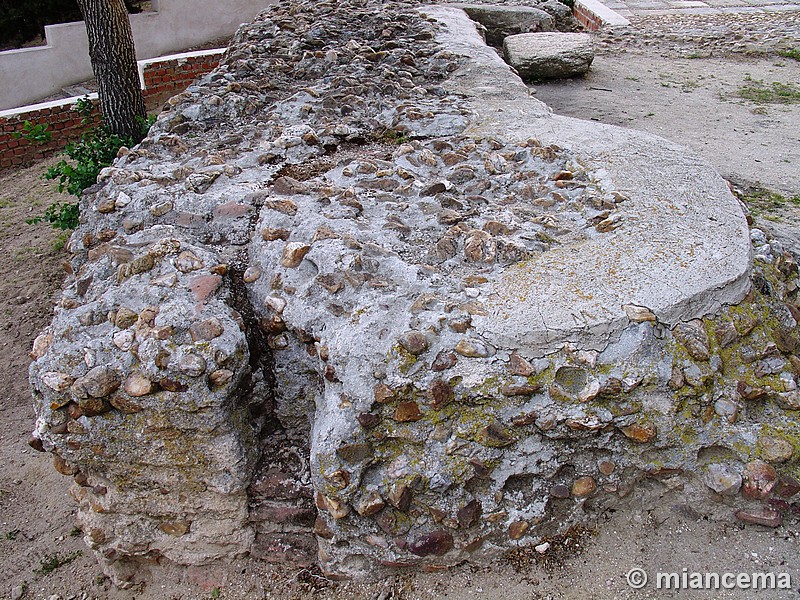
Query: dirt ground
{"x":696,"y":102}
{"x":727,"y":87}
{"x":690,"y":100}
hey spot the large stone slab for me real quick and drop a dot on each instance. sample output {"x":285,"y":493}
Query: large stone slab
{"x":538,"y":56}
{"x":518,"y":16}
{"x":378,"y":280}
{"x":616,"y":259}
{"x":502,"y":21}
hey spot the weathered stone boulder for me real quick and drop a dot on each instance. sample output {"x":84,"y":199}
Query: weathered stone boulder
{"x":565,"y":20}
{"x":502,"y":21}
{"x":538,"y":56}
{"x":368,"y":303}
{"x":518,"y":16}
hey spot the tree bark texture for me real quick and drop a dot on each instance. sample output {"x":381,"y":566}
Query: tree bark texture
{"x":113,"y":57}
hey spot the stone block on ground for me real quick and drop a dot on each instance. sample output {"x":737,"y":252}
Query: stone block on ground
{"x":503,"y":21}
{"x":549,"y":55}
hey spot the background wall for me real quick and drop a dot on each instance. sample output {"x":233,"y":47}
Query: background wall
{"x":30,"y":74}
{"x":162,"y":78}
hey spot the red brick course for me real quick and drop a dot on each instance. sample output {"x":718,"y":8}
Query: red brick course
{"x":587,"y":18}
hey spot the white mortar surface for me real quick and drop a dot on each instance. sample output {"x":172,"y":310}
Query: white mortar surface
{"x":681,"y":221}
{"x":13,"y":112}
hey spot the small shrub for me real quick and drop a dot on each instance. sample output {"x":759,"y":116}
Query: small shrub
{"x":61,"y":215}
{"x":85,"y":108}
{"x":95,"y":150}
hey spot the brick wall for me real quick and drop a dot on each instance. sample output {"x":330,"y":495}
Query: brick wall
{"x":587,"y":18}
{"x":593,"y":15}
{"x":165,"y":77}
{"x":63,"y":121}
{"x":162,"y":78}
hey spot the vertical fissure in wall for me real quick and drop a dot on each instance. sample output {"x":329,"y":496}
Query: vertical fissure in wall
{"x":280,"y":496}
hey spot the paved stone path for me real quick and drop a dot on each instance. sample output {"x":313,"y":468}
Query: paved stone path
{"x":628,"y":8}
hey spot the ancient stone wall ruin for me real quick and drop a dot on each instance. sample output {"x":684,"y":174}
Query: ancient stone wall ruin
{"x":358,"y":299}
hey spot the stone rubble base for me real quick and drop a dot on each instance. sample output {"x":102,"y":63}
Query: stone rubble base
{"x":359,"y":300}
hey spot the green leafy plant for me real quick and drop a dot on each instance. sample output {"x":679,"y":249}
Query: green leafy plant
{"x":51,"y":562}
{"x":35,"y":134}
{"x":61,"y":215}
{"x":96,"y":150}
{"x":85,"y":108}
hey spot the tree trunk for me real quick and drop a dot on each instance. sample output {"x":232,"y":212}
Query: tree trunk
{"x":113,"y":59}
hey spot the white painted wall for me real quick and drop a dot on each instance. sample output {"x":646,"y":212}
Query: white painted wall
{"x":30,"y":74}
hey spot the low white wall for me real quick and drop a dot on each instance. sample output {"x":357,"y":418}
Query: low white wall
{"x":30,"y":74}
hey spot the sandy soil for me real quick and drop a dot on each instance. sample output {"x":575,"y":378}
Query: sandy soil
{"x":695,"y":102}
{"x":688,"y":100}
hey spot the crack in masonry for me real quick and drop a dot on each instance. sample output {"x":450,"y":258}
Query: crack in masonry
{"x":261,"y":360}
{"x":544,"y":324}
